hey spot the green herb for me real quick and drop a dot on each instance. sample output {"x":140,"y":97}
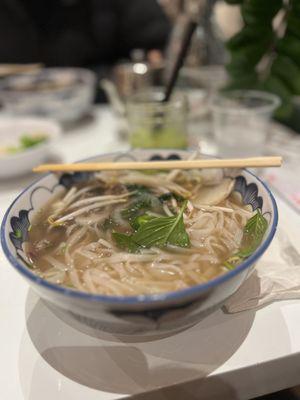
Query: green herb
{"x":253,"y":235}
{"x":161,"y":231}
{"x":155,"y":231}
{"x":27,"y":141}
{"x":141,"y":220}
{"x":125,"y":242}
{"x":108,"y":224}
{"x":143,"y":201}
{"x":232,"y":262}
{"x":141,"y":204}
{"x":168,"y":196}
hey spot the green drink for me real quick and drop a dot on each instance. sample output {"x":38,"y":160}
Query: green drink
{"x":155,"y":124}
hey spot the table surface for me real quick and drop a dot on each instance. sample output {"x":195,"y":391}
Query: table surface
{"x":235,"y":356}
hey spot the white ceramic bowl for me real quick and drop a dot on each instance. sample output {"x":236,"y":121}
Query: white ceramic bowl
{"x":63,"y":94}
{"x":144,"y":314}
{"x":11,"y":129}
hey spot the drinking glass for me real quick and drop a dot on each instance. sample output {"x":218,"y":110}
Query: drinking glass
{"x":157,"y":124}
{"x":241,"y":122}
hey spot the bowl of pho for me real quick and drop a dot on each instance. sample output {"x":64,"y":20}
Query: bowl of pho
{"x":139,"y":252}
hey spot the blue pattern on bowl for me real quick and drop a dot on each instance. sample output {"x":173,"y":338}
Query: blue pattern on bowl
{"x":158,"y":157}
{"x":139,"y":314}
{"x":20,"y":226}
{"x":249,"y":193}
{"x":67,"y":180}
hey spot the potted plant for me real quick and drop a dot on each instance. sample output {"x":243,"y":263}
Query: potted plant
{"x":265,"y":53}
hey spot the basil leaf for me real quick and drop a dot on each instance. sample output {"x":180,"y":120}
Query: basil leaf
{"x":141,"y":220}
{"x":253,"y":235}
{"x":161,"y":231}
{"x":168,"y":196}
{"x":141,"y":204}
{"x":125,"y":242}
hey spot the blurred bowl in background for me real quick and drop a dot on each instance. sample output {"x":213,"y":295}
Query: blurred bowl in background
{"x":25,"y":143}
{"x":63,"y":94}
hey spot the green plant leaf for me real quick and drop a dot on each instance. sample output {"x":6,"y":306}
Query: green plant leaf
{"x":250,"y":34}
{"x":293,"y":24}
{"x":161,"y":231}
{"x":243,"y":81}
{"x":247,"y":56}
{"x":234,"y":1}
{"x":275,"y":85}
{"x":260,"y":12}
{"x":289,"y":72}
{"x":168,"y":196}
{"x":143,"y":201}
{"x":253,"y":235}
{"x":259,"y":39}
{"x":125,"y":242}
{"x":290,"y":46}
{"x":141,"y":220}
{"x":154,"y":231}
{"x":295,"y":6}
{"x":139,"y":205}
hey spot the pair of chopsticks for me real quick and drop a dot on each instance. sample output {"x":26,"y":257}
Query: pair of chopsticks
{"x":254,"y":162}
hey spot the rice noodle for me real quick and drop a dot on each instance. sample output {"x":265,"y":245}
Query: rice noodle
{"x":86,"y":209}
{"x":91,"y":200}
{"x":87,"y":257}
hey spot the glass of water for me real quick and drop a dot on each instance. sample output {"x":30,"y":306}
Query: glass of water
{"x":241,"y":122}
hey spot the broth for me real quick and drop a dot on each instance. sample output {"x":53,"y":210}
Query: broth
{"x":132,"y":233}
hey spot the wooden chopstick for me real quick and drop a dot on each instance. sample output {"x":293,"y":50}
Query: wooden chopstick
{"x":255,"y":162}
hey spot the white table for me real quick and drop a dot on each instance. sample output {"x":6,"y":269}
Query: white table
{"x":225,"y":356}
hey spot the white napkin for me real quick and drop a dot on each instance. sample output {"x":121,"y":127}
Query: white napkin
{"x":276,"y":277}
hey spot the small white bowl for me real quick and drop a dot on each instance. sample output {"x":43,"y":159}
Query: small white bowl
{"x":63,"y":94}
{"x":11,"y":129}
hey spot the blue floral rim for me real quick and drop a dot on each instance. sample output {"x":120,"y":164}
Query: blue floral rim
{"x":141,"y":299}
